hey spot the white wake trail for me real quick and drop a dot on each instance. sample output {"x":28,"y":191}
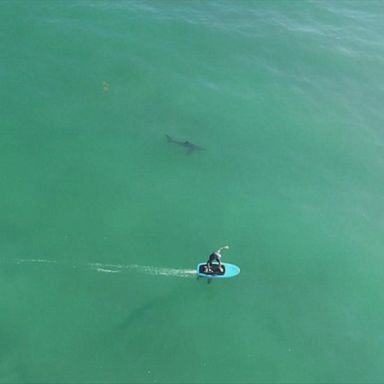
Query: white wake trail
{"x":114,"y":268}
{"x":42,"y":261}
{"x":145,"y":269}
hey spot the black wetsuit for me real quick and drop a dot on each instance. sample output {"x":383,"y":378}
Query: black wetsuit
{"x":215,"y":256}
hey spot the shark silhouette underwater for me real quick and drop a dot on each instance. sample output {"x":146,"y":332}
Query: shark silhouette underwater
{"x":190,"y":147}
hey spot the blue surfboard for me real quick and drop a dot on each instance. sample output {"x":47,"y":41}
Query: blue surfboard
{"x":231,"y":270}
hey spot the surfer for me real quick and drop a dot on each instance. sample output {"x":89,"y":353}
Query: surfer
{"x":215,"y":256}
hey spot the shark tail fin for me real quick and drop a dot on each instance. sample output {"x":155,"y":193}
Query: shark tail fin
{"x":169,"y":139}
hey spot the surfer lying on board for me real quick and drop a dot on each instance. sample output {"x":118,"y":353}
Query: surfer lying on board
{"x":215,"y":256}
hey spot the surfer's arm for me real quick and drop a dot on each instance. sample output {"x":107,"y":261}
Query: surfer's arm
{"x":225,"y":247}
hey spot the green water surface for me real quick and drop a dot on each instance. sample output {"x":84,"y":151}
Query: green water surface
{"x":285,"y":97}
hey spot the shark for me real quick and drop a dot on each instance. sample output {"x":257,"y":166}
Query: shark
{"x":190,"y":147}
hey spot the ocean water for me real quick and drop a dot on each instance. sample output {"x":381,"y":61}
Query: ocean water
{"x":102,"y":221}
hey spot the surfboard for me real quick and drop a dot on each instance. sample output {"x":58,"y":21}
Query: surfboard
{"x":231,"y":270}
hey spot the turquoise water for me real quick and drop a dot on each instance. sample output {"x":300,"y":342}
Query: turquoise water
{"x":102,"y":221}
